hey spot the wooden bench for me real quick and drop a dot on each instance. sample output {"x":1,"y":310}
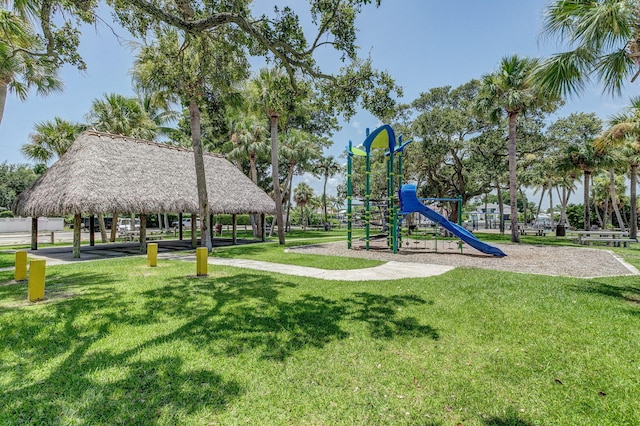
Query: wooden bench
{"x":616,"y":241}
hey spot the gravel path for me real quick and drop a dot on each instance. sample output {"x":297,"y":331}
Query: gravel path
{"x":579,"y":262}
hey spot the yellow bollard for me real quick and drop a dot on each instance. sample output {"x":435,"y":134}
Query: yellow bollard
{"x":21,"y":266}
{"x":152,"y":254}
{"x":36,"y":280}
{"x":201,"y":261}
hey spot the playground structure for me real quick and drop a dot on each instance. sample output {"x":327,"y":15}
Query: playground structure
{"x":405,"y":198}
{"x":382,"y":138}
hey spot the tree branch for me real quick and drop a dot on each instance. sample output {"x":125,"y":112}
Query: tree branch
{"x":288,"y":56}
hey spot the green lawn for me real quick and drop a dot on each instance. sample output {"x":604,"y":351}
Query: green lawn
{"x":7,"y":259}
{"x":273,"y":252}
{"x":120,"y":343}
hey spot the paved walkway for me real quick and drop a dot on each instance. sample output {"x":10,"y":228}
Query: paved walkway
{"x":388,"y":271}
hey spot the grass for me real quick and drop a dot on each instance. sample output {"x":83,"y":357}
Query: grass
{"x":273,"y":252}
{"x":120,"y":343}
{"x":7,"y":259}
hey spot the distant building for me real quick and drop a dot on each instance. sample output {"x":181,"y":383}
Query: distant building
{"x":487,"y":216}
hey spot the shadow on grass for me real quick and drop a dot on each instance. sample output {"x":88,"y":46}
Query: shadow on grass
{"x":627,"y":292}
{"x":53,"y":371}
{"x":244,"y":312}
{"x":511,"y":420}
{"x":110,"y":356}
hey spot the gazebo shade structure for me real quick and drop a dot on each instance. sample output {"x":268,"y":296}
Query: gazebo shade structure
{"x":105,"y":173}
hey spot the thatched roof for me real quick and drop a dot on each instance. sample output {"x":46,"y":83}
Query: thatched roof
{"x":105,"y":173}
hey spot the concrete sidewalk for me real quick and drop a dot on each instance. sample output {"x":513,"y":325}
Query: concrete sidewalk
{"x":389,"y":271}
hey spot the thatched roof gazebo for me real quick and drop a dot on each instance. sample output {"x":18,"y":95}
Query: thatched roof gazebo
{"x":105,"y":173}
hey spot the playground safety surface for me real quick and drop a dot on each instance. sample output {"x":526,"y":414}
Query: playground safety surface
{"x":565,"y":261}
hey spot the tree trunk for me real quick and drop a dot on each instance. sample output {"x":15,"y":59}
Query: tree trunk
{"x":34,"y":233}
{"x":276,"y":177}
{"x":500,"y":209}
{"x":600,"y":220}
{"x":614,"y":198}
{"x":114,"y":228}
{"x":3,"y":97}
{"x":564,"y":200}
{"x":524,"y":205}
{"x":103,"y":229}
{"x":605,"y":213}
{"x":633,"y":225}
{"x":289,"y":193}
{"x":194,"y":230}
{"x":256,"y":225}
{"x":587,"y":207}
{"x":515,"y":235}
{"x":550,"y":206}
{"x":544,"y":189}
{"x":486,"y":207}
{"x":203,"y":197}
{"x":77,"y":235}
{"x":324,"y":198}
{"x":143,"y":233}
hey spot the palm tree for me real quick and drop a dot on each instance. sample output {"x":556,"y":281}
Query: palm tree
{"x":604,"y":41}
{"x":303,"y":195}
{"x":510,"y":91}
{"x":159,"y":111}
{"x":297,"y":149}
{"x":274,"y":95}
{"x":326,"y":167}
{"x":120,"y":115}
{"x":249,"y":138}
{"x":624,"y":133}
{"x":21,"y":68}
{"x":51,"y":139}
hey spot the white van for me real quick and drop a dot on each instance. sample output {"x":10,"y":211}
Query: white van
{"x":186,"y":223}
{"x":124,"y":224}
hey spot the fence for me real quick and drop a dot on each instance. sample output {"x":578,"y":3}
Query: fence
{"x":23,"y":224}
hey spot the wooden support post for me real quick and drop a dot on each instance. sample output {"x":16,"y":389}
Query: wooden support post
{"x":34,"y":233}
{"x":180,"y":226}
{"x":143,"y":233}
{"x":263,"y":221}
{"x":212,"y":231}
{"x":92,"y":227}
{"x":35,"y":288}
{"x":20,"y":273}
{"x":77,"y":222}
{"x":194,"y":230}
{"x":53,"y":239}
{"x":234,"y":235}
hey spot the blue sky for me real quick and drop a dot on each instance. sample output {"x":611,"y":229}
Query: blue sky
{"x":421,"y":43}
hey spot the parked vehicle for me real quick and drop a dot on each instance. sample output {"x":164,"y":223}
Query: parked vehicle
{"x":85,"y":224}
{"x":124,"y":224}
{"x":186,"y":223}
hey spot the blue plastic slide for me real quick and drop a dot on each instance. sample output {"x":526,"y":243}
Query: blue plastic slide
{"x":409,"y":203}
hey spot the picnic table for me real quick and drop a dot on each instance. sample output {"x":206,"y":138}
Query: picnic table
{"x":135,"y":235}
{"x":526,"y":230}
{"x":614,"y":238}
